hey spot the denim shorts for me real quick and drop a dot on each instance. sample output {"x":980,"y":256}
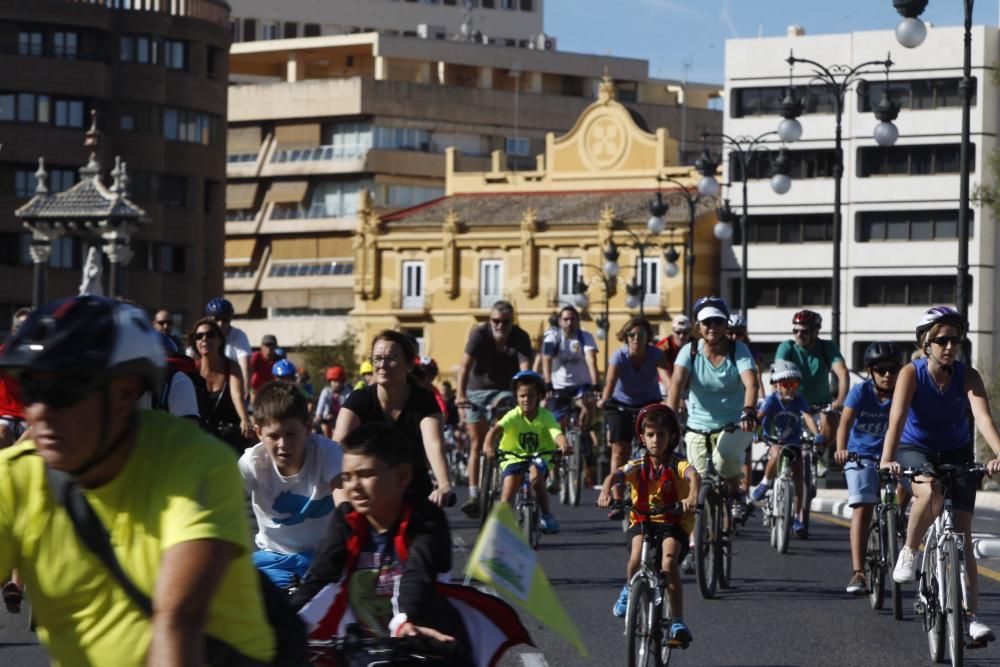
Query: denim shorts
{"x":480,"y":399}
{"x":862,"y":482}
{"x":521,"y":467}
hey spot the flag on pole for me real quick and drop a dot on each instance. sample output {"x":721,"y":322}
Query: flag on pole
{"x":503,"y":559}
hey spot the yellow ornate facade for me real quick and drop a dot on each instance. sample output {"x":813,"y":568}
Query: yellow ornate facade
{"x":529,"y":237}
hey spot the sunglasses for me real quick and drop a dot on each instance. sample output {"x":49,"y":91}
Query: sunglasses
{"x":788,"y":384}
{"x":501,"y":322}
{"x":58,"y":392}
{"x":885,"y":370}
{"x":714,"y":322}
{"x":636,"y":334}
{"x":945,"y":341}
{"x":387,"y":359}
{"x":163,"y":323}
{"x":204,"y":334}
{"x":801,"y":332}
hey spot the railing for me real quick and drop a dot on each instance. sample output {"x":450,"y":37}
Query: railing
{"x":214,"y":11}
{"x":340,"y":152}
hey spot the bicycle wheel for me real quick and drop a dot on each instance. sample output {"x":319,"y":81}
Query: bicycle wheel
{"x":667,"y":616}
{"x":873,"y":564}
{"x":535,"y":517}
{"x":951,"y":577}
{"x":639,"y":626}
{"x":891,"y":545}
{"x":784,"y":520}
{"x":725,"y":542}
{"x":488,"y":471}
{"x":574,"y":468}
{"x":705,"y":565}
{"x":934,"y":623}
{"x":771,"y":514}
{"x":808,"y":489}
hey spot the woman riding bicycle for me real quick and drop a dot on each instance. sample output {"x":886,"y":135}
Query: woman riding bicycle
{"x":634,"y":374}
{"x":929,"y":423}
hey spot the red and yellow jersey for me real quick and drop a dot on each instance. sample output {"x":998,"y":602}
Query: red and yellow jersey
{"x":651,"y":484}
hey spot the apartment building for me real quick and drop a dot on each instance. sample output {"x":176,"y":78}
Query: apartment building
{"x":900,"y":204}
{"x":155,"y":72}
{"x":314,"y":122}
{"x":505,"y":22}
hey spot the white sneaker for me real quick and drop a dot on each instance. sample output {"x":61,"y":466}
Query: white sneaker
{"x":904,"y":570}
{"x":980,"y":632}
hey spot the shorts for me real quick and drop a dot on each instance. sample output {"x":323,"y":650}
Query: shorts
{"x":480,"y":399}
{"x":561,"y":404}
{"x":862,"y":482}
{"x":964,"y":497}
{"x":521,"y":467}
{"x":284,"y":570}
{"x":727,"y":454}
{"x":620,"y":423}
{"x":666,"y":530}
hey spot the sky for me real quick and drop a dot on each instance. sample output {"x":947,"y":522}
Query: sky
{"x":670,"y":33}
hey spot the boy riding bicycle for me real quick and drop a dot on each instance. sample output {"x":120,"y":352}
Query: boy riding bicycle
{"x":659,"y":479}
{"x":781,"y":417}
{"x":528,"y":429}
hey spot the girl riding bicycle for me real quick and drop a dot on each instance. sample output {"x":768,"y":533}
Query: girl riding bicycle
{"x":928,"y":423}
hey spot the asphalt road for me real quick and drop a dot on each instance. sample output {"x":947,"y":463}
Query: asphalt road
{"x":783,"y":610}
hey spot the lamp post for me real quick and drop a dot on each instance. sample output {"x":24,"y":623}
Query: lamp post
{"x":911,"y":32}
{"x":603,"y":322}
{"x":743,"y":149}
{"x":691,"y":197}
{"x":837,"y":79}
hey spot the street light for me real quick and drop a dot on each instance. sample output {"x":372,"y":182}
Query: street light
{"x":707,"y":170}
{"x":657,"y":209}
{"x":837,"y":79}
{"x":724,"y":227}
{"x":910,"y":33}
{"x":670,"y":268}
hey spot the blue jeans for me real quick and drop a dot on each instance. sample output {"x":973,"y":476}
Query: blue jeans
{"x":282,"y":569}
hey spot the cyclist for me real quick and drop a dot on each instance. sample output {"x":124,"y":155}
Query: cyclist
{"x":82,"y":363}
{"x":817,"y":358}
{"x":673,"y":343}
{"x":237,"y":345}
{"x":928,"y":423}
{"x":569,"y":364}
{"x":781,"y":416}
{"x":659,"y":479}
{"x":495,"y":351}
{"x":224,"y":414}
{"x":367,"y":373}
{"x":862,"y":430}
{"x":528,"y":429}
{"x":284,"y":371}
{"x":736,"y":330}
{"x":330,"y":400}
{"x":11,"y":407}
{"x":261,"y":362}
{"x":635,"y":373}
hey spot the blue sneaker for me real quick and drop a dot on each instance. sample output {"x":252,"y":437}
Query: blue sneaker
{"x":759,"y":492}
{"x":797,"y":527}
{"x":621,"y":604}
{"x":550,"y":525}
{"x":679,"y":635}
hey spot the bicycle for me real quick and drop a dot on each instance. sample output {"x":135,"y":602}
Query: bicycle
{"x":648,"y":612}
{"x":456,"y":454}
{"x":810,"y":473}
{"x":356,"y":650}
{"x":882,"y":548}
{"x":779,"y":505}
{"x":941,"y":595}
{"x":571,"y":466}
{"x":489,"y":470}
{"x":714,"y":524}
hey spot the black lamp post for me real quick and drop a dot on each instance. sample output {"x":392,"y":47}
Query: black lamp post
{"x":911,"y":32}
{"x":691,"y":196}
{"x":603,"y":321}
{"x":837,"y":79}
{"x":743,"y":149}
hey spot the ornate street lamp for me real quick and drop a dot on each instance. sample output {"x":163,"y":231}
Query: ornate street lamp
{"x":911,"y":31}
{"x":657,"y":210}
{"x":670,"y":268}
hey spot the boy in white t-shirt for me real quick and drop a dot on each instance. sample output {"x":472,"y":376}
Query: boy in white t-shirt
{"x":289,"y":475}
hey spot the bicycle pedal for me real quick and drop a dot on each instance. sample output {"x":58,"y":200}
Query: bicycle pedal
{"x":971,"y":643}
{"x":676,"y":643}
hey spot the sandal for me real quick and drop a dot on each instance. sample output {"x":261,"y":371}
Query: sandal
{"x":12,"y":597}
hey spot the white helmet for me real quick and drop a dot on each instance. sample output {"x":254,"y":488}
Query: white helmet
{"x":784,"y":370}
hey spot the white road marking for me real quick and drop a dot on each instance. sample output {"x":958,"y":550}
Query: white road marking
{"x":533,"y":660}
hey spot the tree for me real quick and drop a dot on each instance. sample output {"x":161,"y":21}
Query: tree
{"x":316,"y":358}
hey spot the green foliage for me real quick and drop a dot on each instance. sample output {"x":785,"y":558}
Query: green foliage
{"x":989,"y":194}
{"x":991,"y":379}
{"x":316,"y":358}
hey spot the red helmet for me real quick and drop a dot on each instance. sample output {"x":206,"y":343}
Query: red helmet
{"x":334,"y":373}
{"x":808,"y":319}
{"x":668,"y":415}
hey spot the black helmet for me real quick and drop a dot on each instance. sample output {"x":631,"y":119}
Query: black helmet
{"x":219,"y":308}
{"x":88,"y":335}
{"x":883,"y":351}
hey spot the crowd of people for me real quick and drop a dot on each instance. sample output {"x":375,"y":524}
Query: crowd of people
{"x":124,"y":430}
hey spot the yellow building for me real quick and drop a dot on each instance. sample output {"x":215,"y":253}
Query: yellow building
{"x":530,"y":237}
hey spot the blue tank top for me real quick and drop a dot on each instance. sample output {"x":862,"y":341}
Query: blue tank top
{"x":938,"y":420}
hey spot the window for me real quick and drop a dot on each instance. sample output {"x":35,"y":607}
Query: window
{"x":335,"y":200}
{"x":311,"y":30}
{"x":651,"y":281}
{"x":404,"y":196}
{"x":915,"y":95}
{"x":312,"y":269}
{"x":908,"y":225}
{"x":766,"y":101}
{"x":815,"y":163}
{"x":518,"y":146}
{"x":191,"y":126}
{"x":920,"y":290}
{"x":413,"y":285}
{"x":527,"y":6}
{"x":30,"y":43}
{"x":234,"y":29}
{"x":490,"y":282}
{"x":392,"y":138}
{"x":173,"y":190}
{"x":141,"y":49}
{"x":796,"y":228}
{"x":291,"y":30}
{"x":489,"y":4}
{"x":66,"y":252}
{"x":69,"y":113}
{"x":510,"y":5}
{"x":65,"y":44}
{"x":270,"y":30}
{"x":784,"y":293}
{"x":175,"y":54}
{"x":914,"y":160}
{"x":59,"y":180}
{"x":570,"y":271}
{"x":249,"y":30}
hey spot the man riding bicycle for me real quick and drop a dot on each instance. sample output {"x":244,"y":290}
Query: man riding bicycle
{"x":816,"y":359}
{"x":569,"y":365}
{"x":168,"y":493}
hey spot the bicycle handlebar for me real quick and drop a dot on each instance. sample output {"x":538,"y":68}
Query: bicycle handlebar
{"x":394,"y":647}
{"x":945,"y":471}
{"x":654,"y":510}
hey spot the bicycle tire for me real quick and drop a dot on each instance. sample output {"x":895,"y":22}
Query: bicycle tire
{"x":574,"y":481}
{"x":873,"y":564}
{"x":934,"y":619}
{"x":891,"y":551}
{"x":705,"y":565}
{"x":808,"y":489}
{"x":726,"y":549}
{"x":772,"y":518}
{"x":487,"y":476}
{"x":951,"y":576}
{"x":642,"y":645}
{"x":784,"y":514}
{"x":535,"y":521}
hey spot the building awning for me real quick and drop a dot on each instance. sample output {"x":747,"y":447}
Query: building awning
{"x":243,"y":140}
{"x":240,"y":196}
{"x":293,"y":249}
{"x":241,"y":302}
{"x":341,"y":299}
{"x":288,"y":192}
{"x":286,"y":299}
{"x":334,"y":247}
{"x":298,"y":136}
{"x":239,"y":252}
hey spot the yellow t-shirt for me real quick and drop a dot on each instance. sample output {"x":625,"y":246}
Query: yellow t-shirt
{"x":179,"y":484}
{"x":663,"y":487}
{"x":524,"y":436}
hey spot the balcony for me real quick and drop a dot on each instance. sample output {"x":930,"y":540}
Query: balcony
{"x":213,"y":11}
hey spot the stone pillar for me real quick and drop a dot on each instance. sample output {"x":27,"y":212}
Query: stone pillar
{"x":293,"y":70}
{"x":381,"y":68}
{"x":40,"y":249}
{"x":116,"y":247}
{"x":485,"y":78}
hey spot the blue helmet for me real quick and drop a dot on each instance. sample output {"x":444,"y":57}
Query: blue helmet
{"x":527,"y":377}
{"x":283,"y":368}
{"x":219,"y":308}
{"x":712,"y":306}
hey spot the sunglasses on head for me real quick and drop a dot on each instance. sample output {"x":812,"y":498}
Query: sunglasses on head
{"x":944,"y":341}
{"x":61,"y":391}
{"x":885,"y":370}
{"x":204,"y":334}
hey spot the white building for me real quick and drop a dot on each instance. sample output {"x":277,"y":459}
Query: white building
{"x":900,"y":204}
{"x":503,"y":22}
